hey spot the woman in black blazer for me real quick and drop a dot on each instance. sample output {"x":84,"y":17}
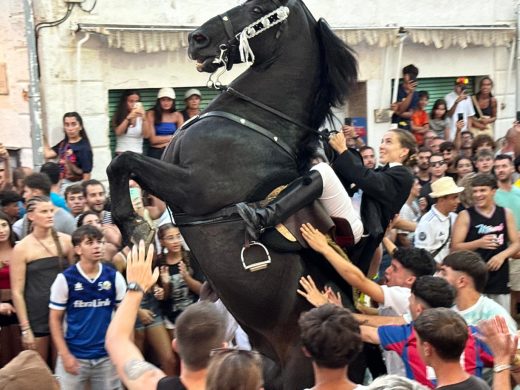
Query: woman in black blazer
{"x":385,"y":190}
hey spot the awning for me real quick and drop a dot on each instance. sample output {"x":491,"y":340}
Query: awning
{"x":150,"y":39}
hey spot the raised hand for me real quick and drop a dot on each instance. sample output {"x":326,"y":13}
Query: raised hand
{"x":311,"y":293}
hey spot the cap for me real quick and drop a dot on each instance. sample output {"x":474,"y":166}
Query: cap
{"x":462,"y":80}
{"x":166,"y":92}
{"x":444,"y":186}
{"x":190,"y":92}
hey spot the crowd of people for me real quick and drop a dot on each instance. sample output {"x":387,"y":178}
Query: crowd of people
{"x":436,"y":303}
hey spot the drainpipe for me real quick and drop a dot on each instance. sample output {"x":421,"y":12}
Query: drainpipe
{"x":517,"y":93}
{"x":510,"y":65}
{"x":78,"y":69}
{"x":34,"y":87}
{"x":402,"y":36}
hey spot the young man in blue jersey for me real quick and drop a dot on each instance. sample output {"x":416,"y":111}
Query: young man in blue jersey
{"x":87,"y":293}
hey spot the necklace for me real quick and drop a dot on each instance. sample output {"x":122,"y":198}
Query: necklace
{"x":44,"y":246}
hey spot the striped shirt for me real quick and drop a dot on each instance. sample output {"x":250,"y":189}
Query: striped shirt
{"x":403,"y":340}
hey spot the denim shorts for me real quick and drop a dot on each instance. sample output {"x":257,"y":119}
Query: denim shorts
{"x":149,"y":302}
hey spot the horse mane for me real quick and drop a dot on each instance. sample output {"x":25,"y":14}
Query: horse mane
{"x":338,"y":75}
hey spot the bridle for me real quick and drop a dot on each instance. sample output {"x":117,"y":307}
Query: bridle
{"x":240,"y":42}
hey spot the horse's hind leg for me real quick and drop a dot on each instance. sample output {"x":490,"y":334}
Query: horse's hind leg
{"x":161,"y":179}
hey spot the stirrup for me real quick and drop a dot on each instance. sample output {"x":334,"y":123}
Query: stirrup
{"x":259,"y":265}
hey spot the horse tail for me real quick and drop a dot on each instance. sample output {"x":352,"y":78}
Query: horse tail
{"x":338,"y":72}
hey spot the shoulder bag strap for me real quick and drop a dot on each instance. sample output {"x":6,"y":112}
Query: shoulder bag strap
{"x":436,"y":251}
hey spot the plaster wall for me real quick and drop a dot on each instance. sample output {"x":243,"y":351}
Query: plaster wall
{"x":84,"y":88}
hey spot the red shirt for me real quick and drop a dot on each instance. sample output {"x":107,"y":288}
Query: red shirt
{"x":419,"y":118}
{"x":5,"y":283}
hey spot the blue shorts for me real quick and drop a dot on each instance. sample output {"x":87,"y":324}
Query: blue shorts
{"x":150,"y":303}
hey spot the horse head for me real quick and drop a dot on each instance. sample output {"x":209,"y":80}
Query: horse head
{"x":285,"y":34}
{"x":224,"y":39}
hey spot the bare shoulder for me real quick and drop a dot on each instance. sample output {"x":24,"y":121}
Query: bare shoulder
{"x":24,"y":245}
{"x":463,"y":216}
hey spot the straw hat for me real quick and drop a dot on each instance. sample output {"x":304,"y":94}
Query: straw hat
{"x":444,"y":186}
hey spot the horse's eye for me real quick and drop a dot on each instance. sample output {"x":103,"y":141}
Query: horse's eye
{"x":258,"y":10}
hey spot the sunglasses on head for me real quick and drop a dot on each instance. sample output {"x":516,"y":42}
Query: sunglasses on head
{"x":437,"y":163}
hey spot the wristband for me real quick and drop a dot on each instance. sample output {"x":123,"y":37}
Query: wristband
{"x":25,"y":332}
{"x":501,"y":367}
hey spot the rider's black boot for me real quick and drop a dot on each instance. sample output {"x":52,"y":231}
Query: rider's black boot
{"x":295,"y":196}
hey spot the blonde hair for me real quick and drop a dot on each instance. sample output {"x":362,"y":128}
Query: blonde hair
{"x":235,"y":370}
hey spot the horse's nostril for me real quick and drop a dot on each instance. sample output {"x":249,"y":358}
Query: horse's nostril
{"x":199,"y":38}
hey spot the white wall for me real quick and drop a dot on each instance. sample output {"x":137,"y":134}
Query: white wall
{"x":14,"y":110}
{"x":103,"y":68}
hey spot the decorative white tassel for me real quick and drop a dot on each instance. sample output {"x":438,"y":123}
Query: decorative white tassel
{"x":246,"y":53}
{"x":245,"y":50}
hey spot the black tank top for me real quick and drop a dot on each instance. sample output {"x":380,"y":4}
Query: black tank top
{"x":170,"y":383}
{"x":480,"y":226}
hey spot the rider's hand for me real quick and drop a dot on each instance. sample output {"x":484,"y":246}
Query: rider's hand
{"x":338,"y":142}
{"x":314,"y":238}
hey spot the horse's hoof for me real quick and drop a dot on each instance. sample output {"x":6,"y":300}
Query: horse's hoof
{"x":143,"y":231}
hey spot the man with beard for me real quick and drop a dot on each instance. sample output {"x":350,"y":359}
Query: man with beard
{"x":96,"y":198}
{"x":368,"y":156}
{"x":423,"y":157}
{"x":449,"y":152}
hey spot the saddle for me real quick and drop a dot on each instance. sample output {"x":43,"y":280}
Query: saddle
{"x":286,"y":237}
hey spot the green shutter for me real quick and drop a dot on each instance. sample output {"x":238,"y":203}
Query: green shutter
{"x":148,"y":98}
{"x":438,"y":87}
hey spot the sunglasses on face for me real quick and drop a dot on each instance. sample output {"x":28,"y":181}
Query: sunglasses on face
{"x":437,"y":163}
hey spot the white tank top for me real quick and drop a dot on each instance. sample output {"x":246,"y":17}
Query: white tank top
{"x":133,"y":139}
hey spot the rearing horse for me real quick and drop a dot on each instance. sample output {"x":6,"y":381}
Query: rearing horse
{"x":254,"y":137}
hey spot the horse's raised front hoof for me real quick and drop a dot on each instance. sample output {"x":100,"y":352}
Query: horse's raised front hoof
{"x":142,"y":231}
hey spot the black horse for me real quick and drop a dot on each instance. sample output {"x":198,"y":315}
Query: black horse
{"x":254,"y":137}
